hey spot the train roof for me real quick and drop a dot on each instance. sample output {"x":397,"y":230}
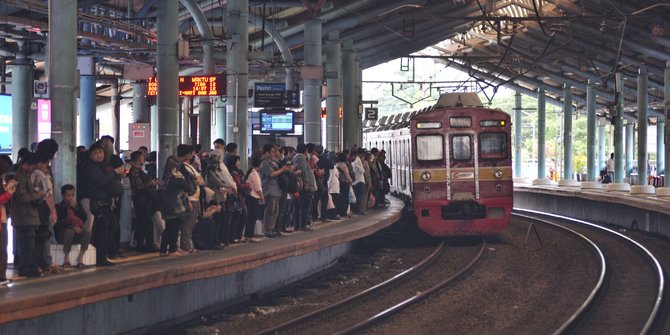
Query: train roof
{"x":446,"y":100}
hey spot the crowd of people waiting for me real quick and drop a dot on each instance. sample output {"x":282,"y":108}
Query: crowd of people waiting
{"x":202,"y":200}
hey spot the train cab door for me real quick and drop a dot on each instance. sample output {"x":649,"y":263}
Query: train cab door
{"x":461,"y":166}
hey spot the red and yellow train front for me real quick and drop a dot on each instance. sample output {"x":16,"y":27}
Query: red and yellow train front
{"x":462,"y":174}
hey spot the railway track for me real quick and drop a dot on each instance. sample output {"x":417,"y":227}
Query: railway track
{"x":363,"y":309}
{"x":628,"y":294}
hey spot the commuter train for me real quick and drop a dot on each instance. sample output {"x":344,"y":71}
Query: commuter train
{"x":452,"y":162}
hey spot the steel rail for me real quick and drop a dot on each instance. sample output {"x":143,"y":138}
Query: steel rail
{"x":414,"y":299}
{"x":385,"y":284}
{"x":601,"y":278}
{"x":656,"y":264}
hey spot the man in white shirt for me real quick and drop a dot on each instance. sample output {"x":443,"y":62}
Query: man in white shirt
{"x":360,"y":188}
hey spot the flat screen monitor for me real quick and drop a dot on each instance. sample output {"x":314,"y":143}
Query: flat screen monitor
{"x":277,"y":122}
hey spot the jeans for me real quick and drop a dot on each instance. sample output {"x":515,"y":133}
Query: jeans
{"x":187,"y":226}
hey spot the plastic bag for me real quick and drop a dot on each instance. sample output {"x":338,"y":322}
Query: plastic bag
{"x":352,"y":195}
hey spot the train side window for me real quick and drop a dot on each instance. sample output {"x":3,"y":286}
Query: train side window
{"x":493,"y":145}
{"x":429,"y":147}
{"x":461,"y":148}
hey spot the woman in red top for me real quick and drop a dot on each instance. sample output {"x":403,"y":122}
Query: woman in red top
{"x":6,"y":192}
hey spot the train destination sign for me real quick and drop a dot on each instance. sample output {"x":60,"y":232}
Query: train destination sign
{"x":267,"y":95}
{"x":214,"y":85}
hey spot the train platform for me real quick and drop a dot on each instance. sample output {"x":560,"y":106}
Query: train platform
{"x":644,"y":212}
{"x":148,"y":290}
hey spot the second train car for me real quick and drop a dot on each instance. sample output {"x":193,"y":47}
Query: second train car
{"x":454,"y":162}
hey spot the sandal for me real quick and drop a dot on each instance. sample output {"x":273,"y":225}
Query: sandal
{"x":67,"y":265}
{"x":81,"y":265}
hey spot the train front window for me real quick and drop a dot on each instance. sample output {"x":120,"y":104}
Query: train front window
{"x":429,"y":147}
{"x":493,"y":145}
{"x":461,"y":147}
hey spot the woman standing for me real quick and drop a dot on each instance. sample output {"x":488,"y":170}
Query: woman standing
{"x":254,"y":199}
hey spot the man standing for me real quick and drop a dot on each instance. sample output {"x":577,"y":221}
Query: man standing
{"x":269,"y":171}
{"x":609,"y":166}
{"x":360,"y":188}
{"x":25,"y":217}
{"x":309,"y":187}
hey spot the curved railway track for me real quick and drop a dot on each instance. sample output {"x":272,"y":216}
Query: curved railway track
{"x":352,"y":308}
{"x":629,"y":291}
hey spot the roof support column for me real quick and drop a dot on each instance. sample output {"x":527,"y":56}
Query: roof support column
{"x":87,"y":109}
{"x":22,"y":88}
{"x":666,"y":98}
{"x":642,"y":186}
{"x":591,"y":168}
{"x":185,"y":114}
{"x":517,"y":135}
{"x":601,"y":144}
{"x":618,"y":184}
{"x":87,"y":104}
{"x":237,"y":16}
{"x":154,"y":128}
{"x":567,"y":138}
{"x":334,"y":100}
{"x":541,"y":137}
{"x":116,"y":115}
{"x":629,"y":139}
{"x":140,"y":102}
{"x":358,"y":97}
{"x":167,"y":66}
{"x":62,"y":82}
{"x":312,"y":75}
{"x":219,"y":121}
{"x":349,"y":102}
{"x":204,"y":105}
{"x":660,"y":146}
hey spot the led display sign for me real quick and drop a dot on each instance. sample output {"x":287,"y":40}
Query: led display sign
{"x":214,"y":85}
{"x":269,"y":95}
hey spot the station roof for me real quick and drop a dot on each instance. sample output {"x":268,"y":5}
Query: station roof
{"x":519,"y":44}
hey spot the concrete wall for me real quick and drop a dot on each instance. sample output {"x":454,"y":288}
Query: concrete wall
{"x":595,"y":211}
{"x":175,"y":302}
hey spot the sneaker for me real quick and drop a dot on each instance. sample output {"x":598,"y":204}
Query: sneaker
{"x":4,"y":281}
{"x":308,"y":228}
{"x":255,"y":240}
{"x":271,"y":235}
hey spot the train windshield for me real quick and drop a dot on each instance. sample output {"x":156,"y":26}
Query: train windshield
{"x":460,"y":147}
{"x":493,"y":145}
{"x":429,"y":147}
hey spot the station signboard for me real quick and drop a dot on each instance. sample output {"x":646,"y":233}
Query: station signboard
{"x":213,"y":85}
{"x":269,"y":95}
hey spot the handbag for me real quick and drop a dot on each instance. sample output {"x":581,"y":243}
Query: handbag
{"x":331,"y":205}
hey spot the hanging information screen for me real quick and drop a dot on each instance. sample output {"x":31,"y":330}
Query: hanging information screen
{"x":194,"y":85}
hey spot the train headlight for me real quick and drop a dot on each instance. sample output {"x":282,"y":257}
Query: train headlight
{"x":498,"y":174}
{"x":425,"y":176}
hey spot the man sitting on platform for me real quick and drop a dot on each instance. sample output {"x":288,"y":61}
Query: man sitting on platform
{"x":70,"y":226}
